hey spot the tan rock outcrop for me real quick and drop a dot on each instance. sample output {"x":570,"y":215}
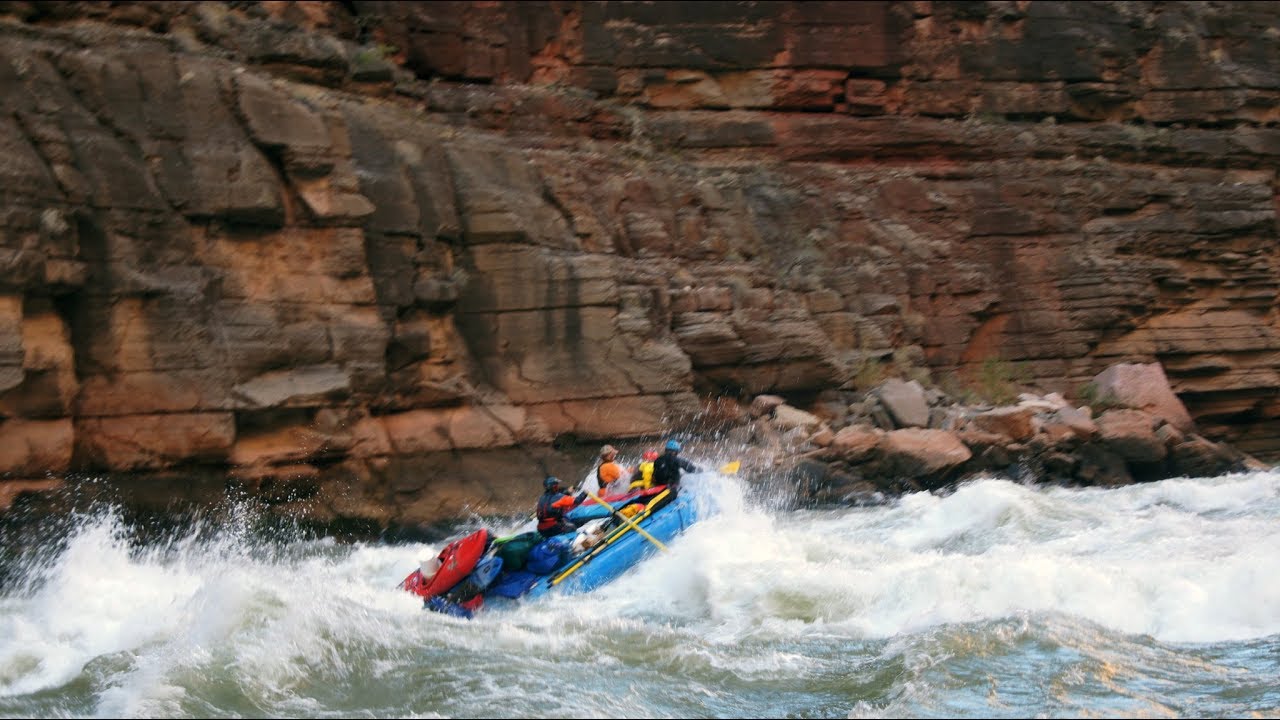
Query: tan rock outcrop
{"x":151,"y":442}
{"x":32,"y":448}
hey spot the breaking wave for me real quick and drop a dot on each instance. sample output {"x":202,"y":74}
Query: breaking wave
{"x":997,"y":599}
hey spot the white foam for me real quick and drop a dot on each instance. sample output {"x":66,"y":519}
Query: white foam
{"x":1189,"y":560}
{"x":1163,"y":560}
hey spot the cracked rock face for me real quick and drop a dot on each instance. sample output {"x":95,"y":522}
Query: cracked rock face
{"x":306,"y":245}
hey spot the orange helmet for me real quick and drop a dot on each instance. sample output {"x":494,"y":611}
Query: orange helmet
{"x":650,"y":455}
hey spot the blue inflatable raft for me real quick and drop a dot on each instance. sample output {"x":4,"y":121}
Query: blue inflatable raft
{"x":622,"y":547}
{"x":552,"y":565}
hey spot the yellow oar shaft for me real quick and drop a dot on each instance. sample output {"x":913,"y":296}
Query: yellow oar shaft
{"x":628,"y":521}
{"x":609,"y":540}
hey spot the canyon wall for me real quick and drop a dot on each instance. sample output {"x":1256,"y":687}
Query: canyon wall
{"x":384,"y":260}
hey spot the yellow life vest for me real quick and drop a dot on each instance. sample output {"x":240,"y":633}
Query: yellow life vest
{"x":646,"y":477}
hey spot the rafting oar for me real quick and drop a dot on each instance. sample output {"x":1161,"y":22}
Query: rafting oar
{"x":730,"y":468}
{"x":627,"y":520}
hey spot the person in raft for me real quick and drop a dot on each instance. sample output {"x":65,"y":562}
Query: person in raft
{"x":642,"y":478}
{"x":609,"y":473}
{"x":553,"y":505}
{"x":666,"y":469}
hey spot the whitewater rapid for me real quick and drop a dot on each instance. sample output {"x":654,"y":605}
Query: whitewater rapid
{"x":994,"y":599}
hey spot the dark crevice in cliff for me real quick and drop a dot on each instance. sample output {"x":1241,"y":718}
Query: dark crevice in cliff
{"x":290,"y":197}
{"x":80,"y":310}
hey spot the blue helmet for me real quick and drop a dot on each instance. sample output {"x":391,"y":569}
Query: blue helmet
{"x":673,"y":445}
{"x":550,"y":482}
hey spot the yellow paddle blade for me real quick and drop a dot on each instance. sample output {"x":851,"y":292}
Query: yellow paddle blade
{"x":730,"y":468}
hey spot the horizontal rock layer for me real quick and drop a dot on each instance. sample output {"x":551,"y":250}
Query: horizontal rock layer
{"x":280,"y":238}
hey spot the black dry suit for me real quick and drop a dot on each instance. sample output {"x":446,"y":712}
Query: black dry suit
{"x":666,"y":469}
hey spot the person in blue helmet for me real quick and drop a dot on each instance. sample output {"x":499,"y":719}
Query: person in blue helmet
{"x":553,"y":505}
{"x":666,"y":469}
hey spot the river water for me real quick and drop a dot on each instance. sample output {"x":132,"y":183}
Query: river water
{"x":994,"y":600}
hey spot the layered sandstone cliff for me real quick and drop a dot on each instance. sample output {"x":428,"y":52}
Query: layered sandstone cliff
{"x":332,"y":250}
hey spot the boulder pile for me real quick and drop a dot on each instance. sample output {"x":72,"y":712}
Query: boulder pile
{"x":864,"y":447}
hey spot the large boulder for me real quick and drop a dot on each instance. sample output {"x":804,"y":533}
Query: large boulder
{"x":1198,"y":457}
{"x":1016,"y":423}
{"x":905,"y":401}
{"x":1144,"y":387}
{"x":856,"y":443}
{"x":921,"y":453}
{"x":1131,"y":435}
{"x":786,"y":417}
{"x":765,"y":404}
{"x":1071,"y":423}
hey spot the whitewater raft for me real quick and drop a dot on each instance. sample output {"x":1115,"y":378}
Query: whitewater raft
{"x":479,"y":570}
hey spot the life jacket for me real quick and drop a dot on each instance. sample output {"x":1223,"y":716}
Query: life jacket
{"x":646,"y":476}
{"x":604,"y":482}
{"x":548,"y":514}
